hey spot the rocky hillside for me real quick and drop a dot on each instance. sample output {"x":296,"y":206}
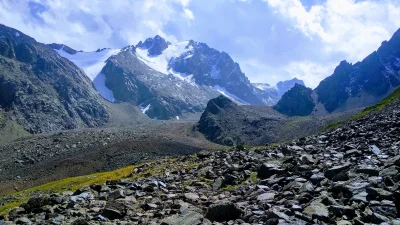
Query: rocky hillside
{"x":272,"y":94}
{"x":296,"y":102}
{"x":348,"y":175}
{"x":161,"y":96}
{"x":368,"y":81}
{"x":168,"y":80}
{"x":284,"y":86}
{"x":361,"y":84}
{"x":42,"y":91}
{"x":227,"y":123}
{"x":200,"y":64}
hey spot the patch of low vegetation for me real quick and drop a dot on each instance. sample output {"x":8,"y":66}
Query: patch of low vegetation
{"x":74,"y":183}
{"x":252,"y":179}
{"x":395,"y":95}
{"x":69,"y":184}
{"x":332,"y":126}
{"x":10,"y":130}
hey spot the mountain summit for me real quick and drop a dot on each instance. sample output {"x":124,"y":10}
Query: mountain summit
{"x":167,"y":80}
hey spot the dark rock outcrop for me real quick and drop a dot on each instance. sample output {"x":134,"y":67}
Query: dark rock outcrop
{"x":43,"y":91}
{"x":296,"y":102}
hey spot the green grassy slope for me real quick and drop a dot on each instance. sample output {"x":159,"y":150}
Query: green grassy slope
{"x":395,"y":95}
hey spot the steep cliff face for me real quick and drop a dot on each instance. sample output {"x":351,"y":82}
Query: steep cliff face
{"x":161,"y":96}
{"x":358,"y":85}
{"x":296,"y":102}
{"x":366,"y":82}
{"x":43,"y":91}
{"x":227,"y":123}
{"x":216,"y":69}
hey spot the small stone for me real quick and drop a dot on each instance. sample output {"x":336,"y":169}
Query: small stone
{"x":192,"y":196}
{"x":217,"y":183}
{"x":266,"y":197}
{"x":380,"y":193}
{"x":332,"y":172}
{"x":339,"y":210}
{"x":317,"y":211}
{"x":374,"y":149}
{"x":187,"y":218}
{"x":223,"y":212}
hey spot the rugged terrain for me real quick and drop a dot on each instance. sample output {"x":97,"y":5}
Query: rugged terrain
{"x":227,"y":123}
{"x":42,"y":91}
{"x":39,"y":159}
{"x":346,"y":175}
{"x":361,"y":84}
{"x":168,"y":80}
{"x":296,"y":102}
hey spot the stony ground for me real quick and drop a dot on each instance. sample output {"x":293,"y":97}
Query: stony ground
{"x":349,"y":175}
{"x":39,"y":159}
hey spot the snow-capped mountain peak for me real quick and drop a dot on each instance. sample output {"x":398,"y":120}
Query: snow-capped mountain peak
{"x":161,"y":61}
{"x":154,"y":46}
{"x":91,"y":63}
{"x":263,"y":86}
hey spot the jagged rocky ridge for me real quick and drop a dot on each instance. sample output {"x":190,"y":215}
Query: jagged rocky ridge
{"x":348,"y":175}
{"x":227,"y":123}
{"x":272,"y":94}
{"x":161,"y":96}
{"x":296,"y":102}
{"x":361,"y":84}
{"x":168,"y":80}
{"x":43,"y":91}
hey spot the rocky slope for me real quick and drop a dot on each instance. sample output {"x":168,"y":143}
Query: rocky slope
{"x":349,"y":175}
{"x":227,"y":123}
{"x":41,"y":90}
{"x":272,"y":94}
{"x":361,"y":84}
{"x":298,"y":99}
{"x":284,"y":86}
{"x":369,"y":80}
{"x":167,"y":79}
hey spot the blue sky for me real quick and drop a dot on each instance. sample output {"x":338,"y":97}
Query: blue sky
{"x":272,"y":40}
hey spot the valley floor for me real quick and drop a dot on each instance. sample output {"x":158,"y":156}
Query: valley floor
{"x":39,"y":159}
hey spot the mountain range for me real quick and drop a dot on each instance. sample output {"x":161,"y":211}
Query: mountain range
{"x":43,"y":91}
{"x":352,"y":85}
{"x":168,"y":80}
{"x":55,"y":87}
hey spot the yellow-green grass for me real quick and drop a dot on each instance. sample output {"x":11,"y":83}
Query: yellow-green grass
{"x":395,"y":95}
{"x":73,"y":183}
{"x":67,"y":184}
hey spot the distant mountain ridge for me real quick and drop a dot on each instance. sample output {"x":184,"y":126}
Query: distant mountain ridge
{"x":167,"y":79}
{"x":43,"y":91}
{"x":361,"y":84}
{"x":272,"y":94}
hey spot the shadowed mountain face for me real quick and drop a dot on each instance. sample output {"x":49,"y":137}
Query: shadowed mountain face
{"x":272,"y":94}
{"x":161,"y":96}
{"x":299,"y":99}
{"x":284,"y":86}
{"x":227,"y":123}
{"x":43,"y":91}
{"x":168,"y":80}
{"x":362,"y":84}
{"x":375,"y":76}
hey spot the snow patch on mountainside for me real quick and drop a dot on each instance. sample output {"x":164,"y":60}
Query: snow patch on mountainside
{"x":99,"y":84}
{"x":160,"y":62}
{"x":229,"y":95}
{"x":263,"y":87}
{"x":144,"y":109}
{"x":215,"y":72}
{"x":92,"y":63}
